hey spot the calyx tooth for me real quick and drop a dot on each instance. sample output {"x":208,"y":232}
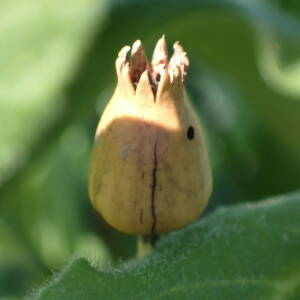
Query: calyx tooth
{"x":164,"y":84}
{"x":139,"y":61}
{"x":123,"y":58}
{"x":178,"y":49}
{"x":180,"y":59}
{"x":144,"y":90}
{"x":178,"y":74}
{"x":159,"y":59}
{"x":126,"y":68}
{"x":124,"y":52}
{"x":160,"y":53}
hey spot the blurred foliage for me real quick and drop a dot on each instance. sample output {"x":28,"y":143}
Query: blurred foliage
{"x":57,"y":73}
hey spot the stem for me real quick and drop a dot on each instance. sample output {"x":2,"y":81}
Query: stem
{"x":145,"y":243}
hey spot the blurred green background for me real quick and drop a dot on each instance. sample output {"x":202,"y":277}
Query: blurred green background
{"x":56,"y":75}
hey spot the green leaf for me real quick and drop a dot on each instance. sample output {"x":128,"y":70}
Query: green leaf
{"x":249,"y":251}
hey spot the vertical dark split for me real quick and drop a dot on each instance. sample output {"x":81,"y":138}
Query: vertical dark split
{"x":153,"y":191}
{"x":152,"y":238}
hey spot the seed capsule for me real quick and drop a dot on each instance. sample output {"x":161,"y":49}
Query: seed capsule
{"x":149,"y":171}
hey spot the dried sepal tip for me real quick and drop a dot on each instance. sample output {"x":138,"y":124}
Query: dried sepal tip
{"x":178,"y":59}
{"x":123,"y":58}
{"x":159,"y":59}
{"x":137,"y":63}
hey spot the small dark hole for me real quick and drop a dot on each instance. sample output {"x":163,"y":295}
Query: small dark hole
{"x":190,"y":133}
{"x":157,"y":77}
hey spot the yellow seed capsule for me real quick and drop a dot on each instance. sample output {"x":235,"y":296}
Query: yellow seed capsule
{"x":149,"y":170}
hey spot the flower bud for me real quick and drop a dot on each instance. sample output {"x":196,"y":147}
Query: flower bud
{"x":149,"y":170}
